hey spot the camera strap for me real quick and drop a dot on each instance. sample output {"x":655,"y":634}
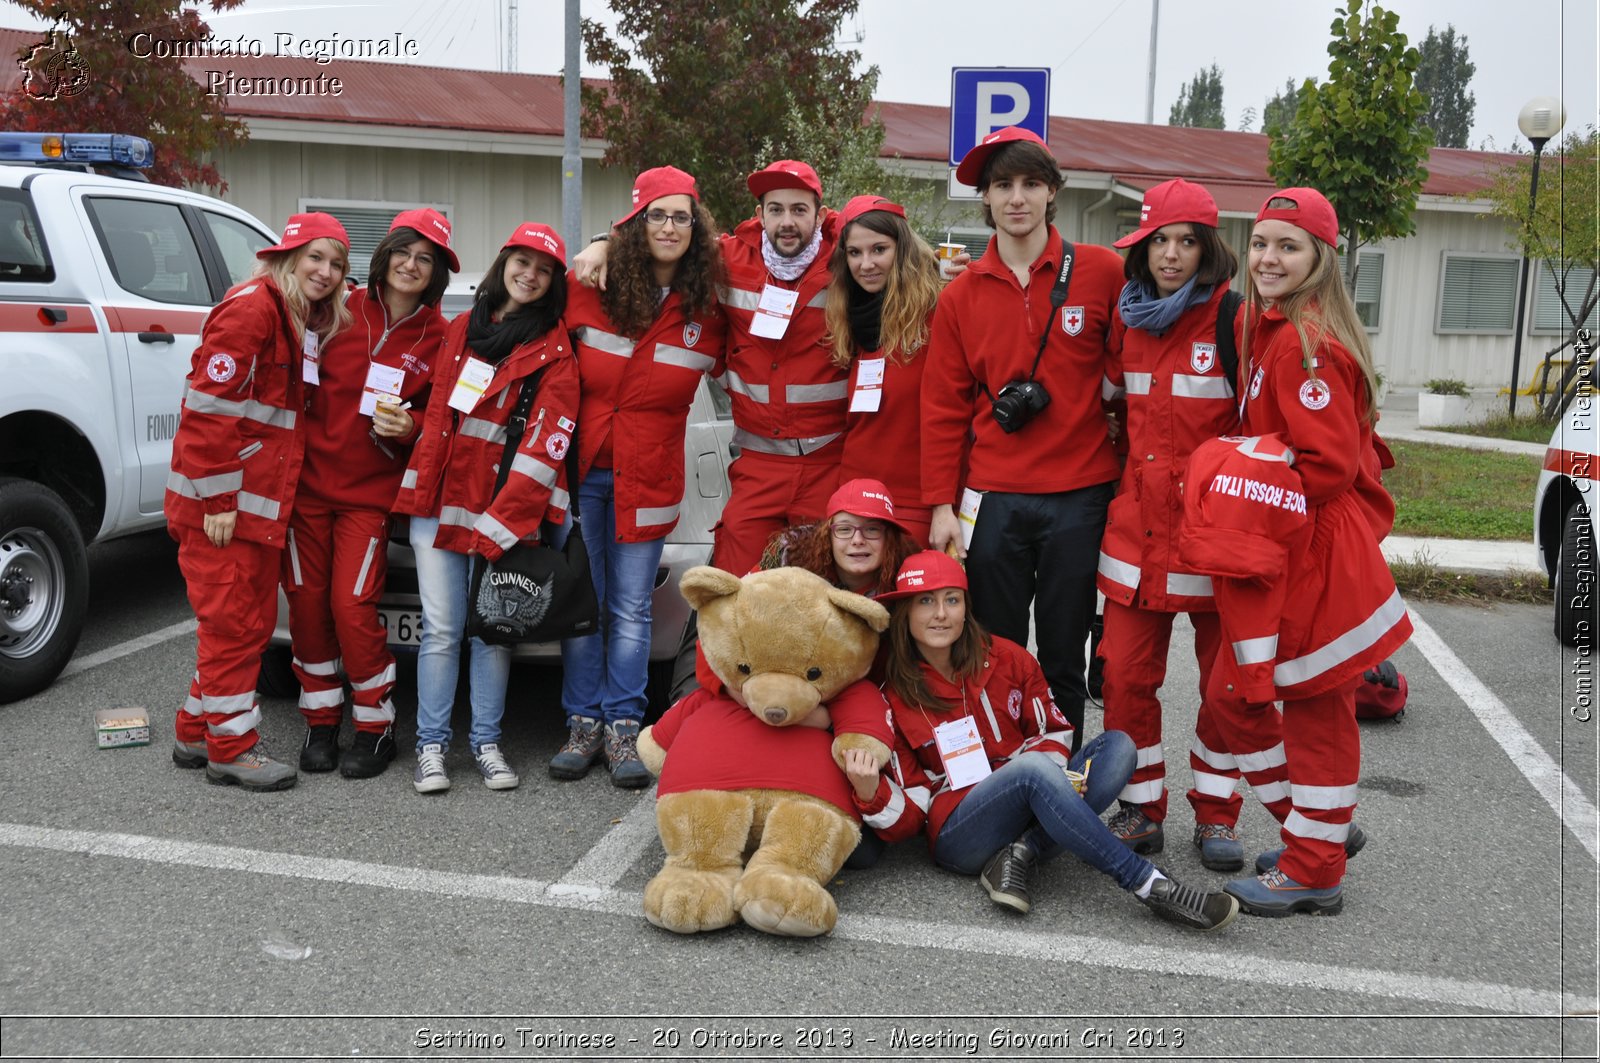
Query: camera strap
{"x":1058,"y":298}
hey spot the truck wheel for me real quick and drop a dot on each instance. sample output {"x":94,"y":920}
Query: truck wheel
{"x":1575,"y":578}
{"x":44,"y":587}
{"x":277,"y":678}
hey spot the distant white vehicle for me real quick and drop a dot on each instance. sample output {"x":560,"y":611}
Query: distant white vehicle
{"x":1563,"y":520}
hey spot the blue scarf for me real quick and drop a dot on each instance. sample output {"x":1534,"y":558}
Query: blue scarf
{"x":1141,"y":308}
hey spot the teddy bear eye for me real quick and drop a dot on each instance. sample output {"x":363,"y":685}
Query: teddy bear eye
{"x":813,"y":674}
{"x":744,"y":669}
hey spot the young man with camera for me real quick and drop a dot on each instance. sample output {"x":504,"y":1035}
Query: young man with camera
{"x":1016,"y":368}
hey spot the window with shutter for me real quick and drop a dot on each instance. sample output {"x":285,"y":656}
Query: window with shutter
{"x":1477,"y":293}
{"x":1549,"y":316}
{"x":1369,"y":288}
{"x":367,"y":223}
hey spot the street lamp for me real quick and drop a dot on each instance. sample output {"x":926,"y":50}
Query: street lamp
{"x":1540,"y":119}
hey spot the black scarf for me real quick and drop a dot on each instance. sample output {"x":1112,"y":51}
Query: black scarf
{"x":865,"y":314}
{"x":493,"y":340}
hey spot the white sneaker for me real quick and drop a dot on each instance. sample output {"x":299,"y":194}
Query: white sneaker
{"x":497,"y":774}
{"x":430,"y":777}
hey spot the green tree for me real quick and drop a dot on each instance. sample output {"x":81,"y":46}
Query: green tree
{"x":708,"y":86}
{"x":1358,"y":137}
{"x":1279,"y":110}
{"x":109,"y":90}
{"x":1443,"y":77}
{"x":1199,"y":103}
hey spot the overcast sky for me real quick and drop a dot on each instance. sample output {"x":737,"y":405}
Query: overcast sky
{"x":1098,"y":52}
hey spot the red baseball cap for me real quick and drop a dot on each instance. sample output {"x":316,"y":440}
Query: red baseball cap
{"x":866,"y":205}
{"x":972,"y":163}
{"x":1311,"y":211}
{"x":785,"y":173}
{"x":868,"y":499}
{"x":660,"y":181}
{"x":1170,"y":203}
{"x":929,"y":570}
{"x":433,"y":227}
{"x":301,"y":229}
{"x":536,"y":237}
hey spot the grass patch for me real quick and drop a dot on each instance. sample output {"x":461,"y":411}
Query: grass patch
{"x":1420,"y":579}
{"x":1503,"y":426}
{"x":1452,"y":493}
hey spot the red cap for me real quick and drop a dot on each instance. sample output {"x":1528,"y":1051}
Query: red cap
{"x":866,"y":205}
{"x":434,"y":228}
{"x":301,"y":229}
{"x":785,"y":173}
{"x":972,"y":163}
{"x":661,"y":181}
{"x":1170,"y":203}
{"x":1311,"y":211}
{"x":868,"y":499}
{"x":930,"y":570}
{"x":536,"y":237}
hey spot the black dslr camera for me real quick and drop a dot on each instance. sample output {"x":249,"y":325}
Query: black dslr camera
{"x":1018,"y":403}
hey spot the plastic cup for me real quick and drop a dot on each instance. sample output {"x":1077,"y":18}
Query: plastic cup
{"x":946,"y":252}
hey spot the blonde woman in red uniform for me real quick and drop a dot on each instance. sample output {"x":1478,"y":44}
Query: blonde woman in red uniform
{"x":880,"y":302}
{"x":235,"y":466}
{"x":1309,"y":379}
{"x":362,"y":419}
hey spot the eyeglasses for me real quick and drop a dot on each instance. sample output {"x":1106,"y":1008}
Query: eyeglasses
{"x":681,"y":220}
{"x":846,"y":532}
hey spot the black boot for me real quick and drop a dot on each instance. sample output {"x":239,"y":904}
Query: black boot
{"x":321,"y":751}
{"x":370,"y":752}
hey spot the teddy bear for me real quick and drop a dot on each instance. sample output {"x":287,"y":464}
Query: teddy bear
{"x":753,"y":809}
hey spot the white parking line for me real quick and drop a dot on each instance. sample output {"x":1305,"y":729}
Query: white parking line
{"x":1558,"y":791}
{"x":123,"y":649}
{"x":605,"y":864}
{"x":1081,"y":950}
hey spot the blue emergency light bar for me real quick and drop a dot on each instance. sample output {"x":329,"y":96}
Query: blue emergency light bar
{"x":116,"y":149}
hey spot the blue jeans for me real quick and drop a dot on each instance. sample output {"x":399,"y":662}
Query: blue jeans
{"x":603,"y":675}
{"x":1029,"y":799}
{"x":442,"y":583}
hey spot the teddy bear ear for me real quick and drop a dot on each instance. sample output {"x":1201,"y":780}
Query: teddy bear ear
{"x":871,"y":613}
{"x":703,"y":584}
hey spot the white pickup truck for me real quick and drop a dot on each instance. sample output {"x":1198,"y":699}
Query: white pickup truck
{"x":105,"y":280}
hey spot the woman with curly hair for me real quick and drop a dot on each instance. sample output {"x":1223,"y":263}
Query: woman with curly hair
{"x":885,"y":284}
{"x":643,"y":344}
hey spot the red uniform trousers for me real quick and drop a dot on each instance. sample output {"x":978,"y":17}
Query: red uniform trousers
{"x":1134,"y":648}
{"x":916,"y":520}
{"x":333,"y":574}
{"x":766,"y":494}
{"x":234,"y":593}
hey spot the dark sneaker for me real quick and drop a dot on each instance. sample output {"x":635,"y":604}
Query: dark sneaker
{"x":1005,"y":877}
{"x":370,"y":752}
{"x":1354,"y":842}
{"x":253,"y":770}
{"x":189,"y":754}
{"x":1275,"y":895}
{"x":586,"y":744}
{"x":622,"y":754}
{"x":1137,"y":831}
{"x":321,"y":751}
{"x":1176,"y":903}
{"x":430,"y":776}
{"x":497,"y":774}
{"x":1219,"y":845}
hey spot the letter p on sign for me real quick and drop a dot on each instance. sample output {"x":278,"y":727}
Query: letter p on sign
{"x":992,"y":96}
{"x":983,"y":100}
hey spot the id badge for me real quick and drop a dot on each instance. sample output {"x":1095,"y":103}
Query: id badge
{"x":383,"y":381}
{"x":311,"y":357}
{"x":773,"y":312}
{"x":868,"y":394}
{"x":476,"y":376}
{"x":961,"y":749}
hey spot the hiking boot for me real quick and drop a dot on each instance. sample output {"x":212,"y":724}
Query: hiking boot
{"x":1354,"y":842}
{"x":1220,"y":848}
{"x":1137,"y":831}
{"x":321,"y":751}
{"x":253,"y":770}
{"x":430,"y":776}
{"x":189,"y":754}
{"x":585,"y":745}
{"x":1176,"y":903}
{"x":622,"y":754}
{"x":497,"y":774}
{"x":1005,"y":877}
{"x":1275,"y":895}
{"x":370,"y":752}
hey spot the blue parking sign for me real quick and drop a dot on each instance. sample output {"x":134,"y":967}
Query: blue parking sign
{"x":985,"y":99}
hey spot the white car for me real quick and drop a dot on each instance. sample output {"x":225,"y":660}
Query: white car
{"x":1563,"y":520}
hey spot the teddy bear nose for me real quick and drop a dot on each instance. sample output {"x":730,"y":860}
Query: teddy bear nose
{"x":775,"y":716}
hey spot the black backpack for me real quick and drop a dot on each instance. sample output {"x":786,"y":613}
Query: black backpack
{"x":1227,"y":310}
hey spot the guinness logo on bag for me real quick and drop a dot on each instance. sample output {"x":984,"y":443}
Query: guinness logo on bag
{"x":513,"y":602}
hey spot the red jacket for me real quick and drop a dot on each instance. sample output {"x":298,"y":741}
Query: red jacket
{"x":1015,"y":713}
{"x":788,"y":396}
{"x":636,"y":397}
{"x":346,"y":464}
{"x":986,"y":331}
{"x":1177,"y":398}
{"x":886,"y":445}
{"x":453,"y":465}
{"x":241,"y":436}
{"x":714,"y":743}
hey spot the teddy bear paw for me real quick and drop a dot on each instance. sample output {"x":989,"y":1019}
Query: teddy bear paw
{"x":688,"y":902}
{"x":785,"y":904}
